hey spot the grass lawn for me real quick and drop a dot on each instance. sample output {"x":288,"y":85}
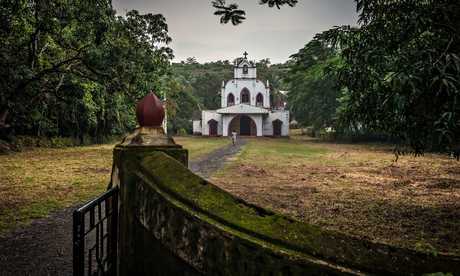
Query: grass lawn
{"x":353,"y":188}
{"x":357,"y":189}
{"x":35,"y":182}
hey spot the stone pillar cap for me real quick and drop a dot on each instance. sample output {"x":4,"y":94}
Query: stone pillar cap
{"x":150,"y":111}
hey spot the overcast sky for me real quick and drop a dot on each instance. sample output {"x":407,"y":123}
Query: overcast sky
{"x":266,"y":32}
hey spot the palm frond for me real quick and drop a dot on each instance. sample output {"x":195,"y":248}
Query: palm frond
{"x":228,"y":13}
{"x":278,"y":3}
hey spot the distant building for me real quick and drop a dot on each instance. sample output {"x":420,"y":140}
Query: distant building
{"x":245,"y":108}
{"x":197,"y":123}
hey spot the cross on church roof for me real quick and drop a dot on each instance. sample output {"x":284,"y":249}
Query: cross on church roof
{"x":245,"y":54}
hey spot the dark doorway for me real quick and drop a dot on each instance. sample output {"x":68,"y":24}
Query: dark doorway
{"x":277,"y":127}
{"x":212,"y":127}
{"x":245,"y":125}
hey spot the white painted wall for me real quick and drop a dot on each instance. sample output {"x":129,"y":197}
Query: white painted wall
{"x":208,"y":115}
{"x":197,"y":128}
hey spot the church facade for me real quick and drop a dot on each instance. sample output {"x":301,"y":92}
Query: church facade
{"x":245,"y":108}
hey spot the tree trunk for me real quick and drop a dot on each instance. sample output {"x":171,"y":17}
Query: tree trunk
{"x":4,"y":112}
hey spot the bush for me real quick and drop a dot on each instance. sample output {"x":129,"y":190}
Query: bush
{"x":4,"y":147}
{"x":310,"y":131}
{"x":181,"y":132}
{"x":22,"y":142}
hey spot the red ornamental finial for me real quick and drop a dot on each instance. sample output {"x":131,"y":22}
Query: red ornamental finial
{"x":150,"y":111}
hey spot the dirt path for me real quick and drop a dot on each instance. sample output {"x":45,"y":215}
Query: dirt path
{"x":45,"y":247}
{"x":209,"y":163}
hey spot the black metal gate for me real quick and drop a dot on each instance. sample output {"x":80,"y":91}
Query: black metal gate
{"x":95,"y":236}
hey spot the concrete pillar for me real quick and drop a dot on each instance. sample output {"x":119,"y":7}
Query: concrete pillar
{"x":147,"y":139}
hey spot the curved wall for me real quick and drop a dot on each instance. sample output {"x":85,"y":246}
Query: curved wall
{"x":174,"y":222}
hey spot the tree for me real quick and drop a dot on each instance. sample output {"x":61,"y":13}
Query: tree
{"x":191,"y":60}
{"x":74,"y":68}
{"x":231,"y":13}
{"x":181,"y":104}
{"x":42,"y":41}
{"x":312,"y":98}
{"x":207,"y":87}
{"x":401,"y":69}
{"x":228,"y":13}
{"x":263,"y":63}
{"x":278,"y":3}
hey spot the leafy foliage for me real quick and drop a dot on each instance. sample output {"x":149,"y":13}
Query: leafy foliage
{"x":228,"y":13}
{"x":207,"y":87}
{"x":401,"y":70}
{"x":278,"y":3}
{"x":231,"y":13}
{"x":74,"y":69}
{"x":181,"y":104}
{"x":311,"y":95}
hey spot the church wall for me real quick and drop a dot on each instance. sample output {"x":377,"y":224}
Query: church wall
{"x":283,"y":116}
{"x":255,"y":131}
{"x":208,"y":115}
{"x":197,"y":127}
{"x":258,"y":128}
{"x":255,"y":86}
{"x":252,"y":73}
{"x":226,"y":123}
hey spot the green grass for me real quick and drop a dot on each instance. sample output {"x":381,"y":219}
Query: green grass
{"x":34,"y":183}
{"x":332,"y":185}
{"x":268,"y":153}
{"x":354,"y":188}
{"x":198,"y":146}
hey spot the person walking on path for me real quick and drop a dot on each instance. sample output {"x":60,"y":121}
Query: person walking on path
{"x":233,"y":135}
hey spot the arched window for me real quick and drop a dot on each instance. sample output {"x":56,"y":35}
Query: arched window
{"x":230,"y":99}
{"x":260,"y":100}
{"x":245,"y":95}
{"x":245,"y":69}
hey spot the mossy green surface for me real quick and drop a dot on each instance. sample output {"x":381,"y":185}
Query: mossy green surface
{"x":226,"y":211}
{"x":176,"y":152}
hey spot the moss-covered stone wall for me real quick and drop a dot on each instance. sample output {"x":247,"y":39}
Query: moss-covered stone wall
{"x":173,"y":222}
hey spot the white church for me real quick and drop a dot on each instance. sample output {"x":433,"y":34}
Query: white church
{"x":245,"y":108}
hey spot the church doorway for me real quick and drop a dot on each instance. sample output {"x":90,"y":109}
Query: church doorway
{"x":277,"y":127}
{"x":245,"y":125}
{"x":212,"y":127}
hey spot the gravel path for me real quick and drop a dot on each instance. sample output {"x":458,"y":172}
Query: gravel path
{"x":45,"y":247}
{"x":205,"y":165}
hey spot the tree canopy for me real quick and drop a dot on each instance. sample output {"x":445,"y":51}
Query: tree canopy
{"x":74,"y":68}
{"x":312,"y":98}
{"x":401,"y":70}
